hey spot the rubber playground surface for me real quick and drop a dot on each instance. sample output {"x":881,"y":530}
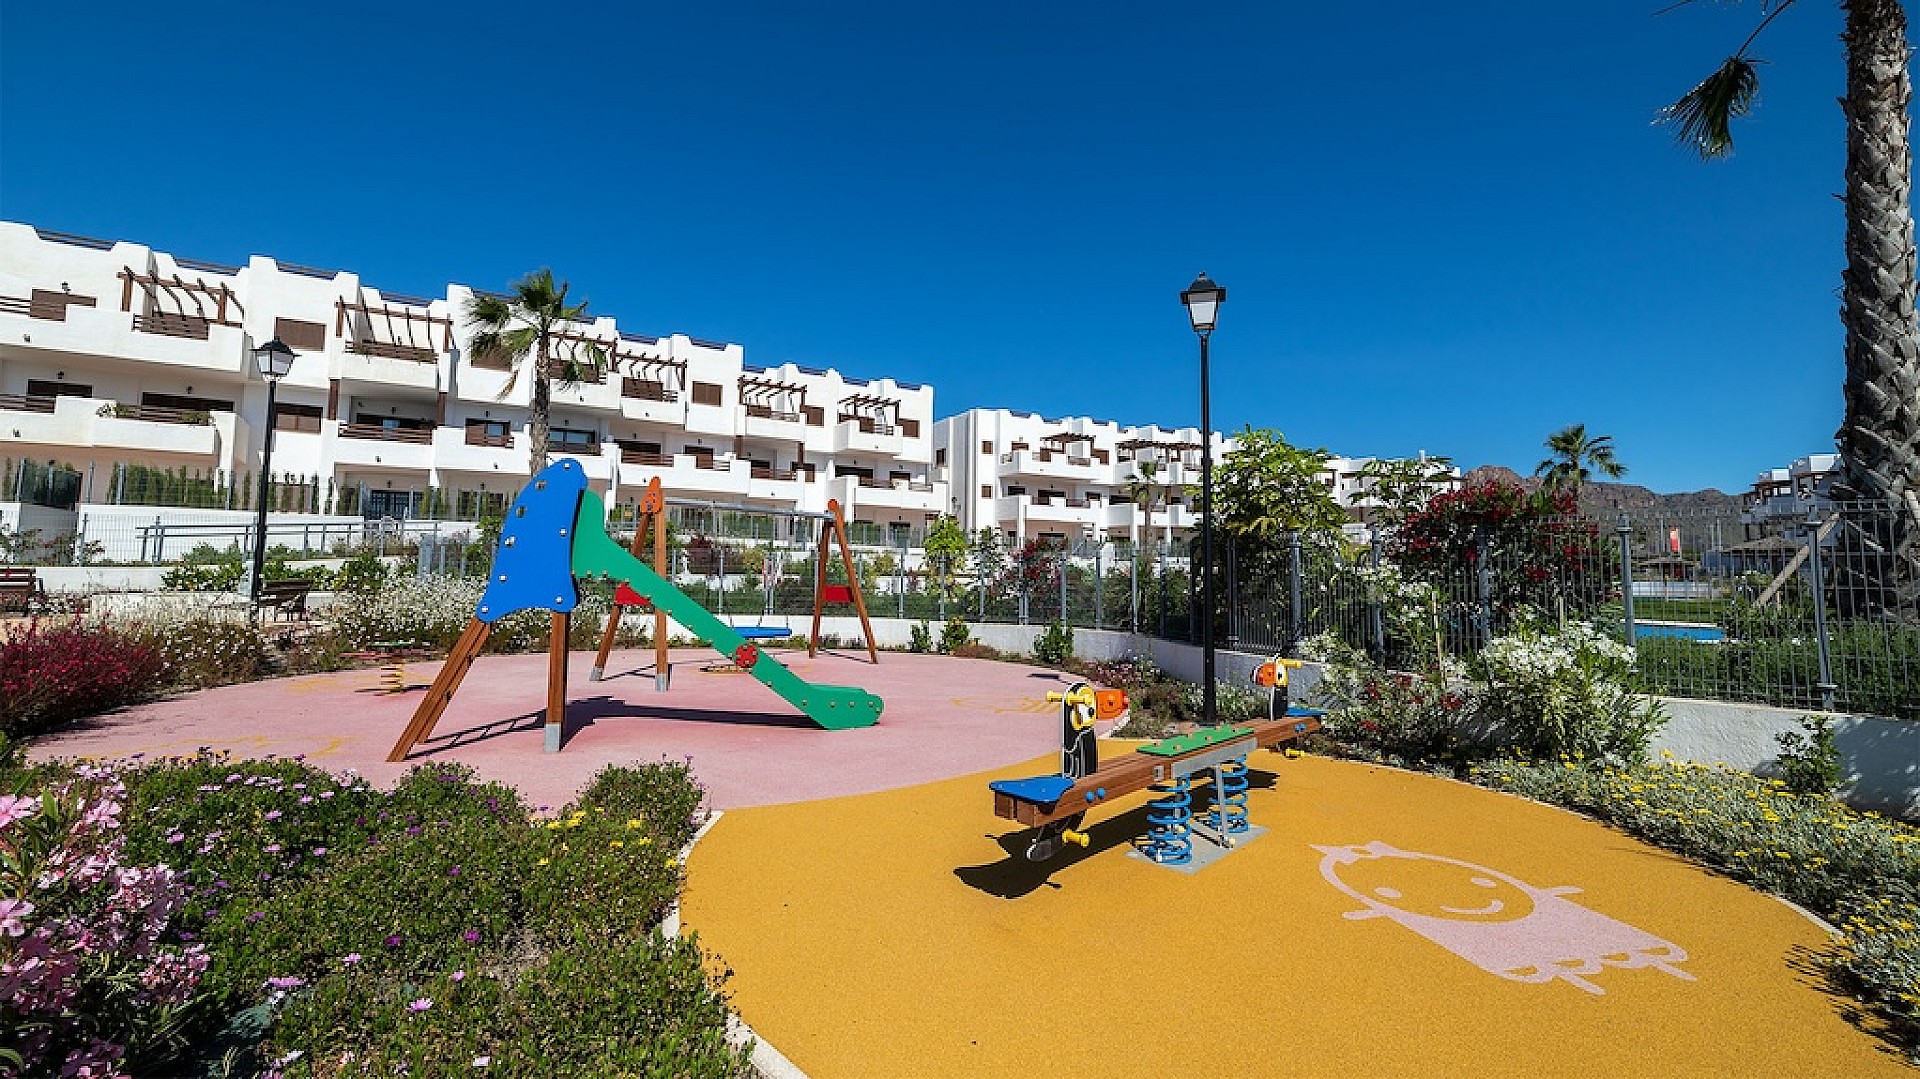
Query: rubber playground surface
{"x":903,"y":933}
{"x":880,"y":921}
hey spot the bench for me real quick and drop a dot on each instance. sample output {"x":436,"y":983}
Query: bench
{"x":20,"y":589}
{"x":285,"y":598}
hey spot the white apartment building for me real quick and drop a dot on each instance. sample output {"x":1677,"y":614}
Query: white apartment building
{"x":1781,"y":498}
{"x":112,"y":353}
{"x":1029,"y":477}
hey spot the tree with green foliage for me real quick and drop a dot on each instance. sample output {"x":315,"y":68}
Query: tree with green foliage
{"x":989,"y":561}
{"x":526,"y":325}
{"x":944,"y":547}
{"x":1398,"y":486}
{"x":1266,"y":488}
{"x":1147,"y":490}
{"x":1879,"y":436}
{"x":1576,"y":457}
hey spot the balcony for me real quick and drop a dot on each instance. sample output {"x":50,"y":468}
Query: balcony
{"x":387,"y":447}
{"x":688,"y":475}
{"x":149,"y":428}
{"x":765,"y":421}
{"x":14,"y":402}
{"x":650,"y":401}
{"x":925,"y":496}
{"x":471,"y":449}
{"x":861,"y":434}
{"x":1053,"y":464}
{"x":392,"y":351}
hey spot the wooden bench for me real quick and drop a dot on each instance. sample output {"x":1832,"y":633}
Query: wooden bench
{"x":285,"y":598}
{"x":20,"y":589}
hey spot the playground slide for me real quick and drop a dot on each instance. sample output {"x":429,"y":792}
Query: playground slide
{"x":595,"y":554}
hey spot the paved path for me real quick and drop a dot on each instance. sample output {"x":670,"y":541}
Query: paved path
{"x":943,"y":717}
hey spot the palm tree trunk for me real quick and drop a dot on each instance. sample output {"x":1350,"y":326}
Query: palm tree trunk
{"x":542,"y":420}
{"x":1879,"y":438}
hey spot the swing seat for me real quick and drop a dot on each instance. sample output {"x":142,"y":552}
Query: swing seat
{"x":763,"y":633}
{"x":836,"y":593}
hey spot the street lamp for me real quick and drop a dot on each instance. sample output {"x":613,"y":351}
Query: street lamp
{"x":273,"y":359}
{"x":1203,"y":299}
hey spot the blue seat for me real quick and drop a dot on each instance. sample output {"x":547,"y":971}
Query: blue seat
{"x":1296,"y":710}
{"x":764,"y":633}
{"x":1040,"y":790}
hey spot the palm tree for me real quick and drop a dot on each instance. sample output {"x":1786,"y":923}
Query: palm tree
{"x":1145,"y":490}
{"x":1879,"y":436}
{"x":525,"y":323}
{"x":1576,"y":457}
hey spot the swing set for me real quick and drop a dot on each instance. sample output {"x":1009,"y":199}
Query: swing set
{"x":650,"y":532}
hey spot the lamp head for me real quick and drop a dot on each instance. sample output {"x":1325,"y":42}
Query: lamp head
{"x":273,"y":359}
{"x":1203,"y":299}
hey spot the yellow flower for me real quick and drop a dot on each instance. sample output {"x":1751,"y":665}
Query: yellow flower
{"x":552,"y":825}
{"x":616,"y":844}
{"x":542,"y":861}
{"x":635,"y":823}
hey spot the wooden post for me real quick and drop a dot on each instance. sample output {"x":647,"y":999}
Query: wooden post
{"x":819,"y":592}
{"x":472,"y":639}
{"x":662,"y":666}
{"x":557,"y":682}
{"x":853,"y":581}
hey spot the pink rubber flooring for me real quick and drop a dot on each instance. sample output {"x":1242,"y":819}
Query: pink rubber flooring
{"x":944,"y":717}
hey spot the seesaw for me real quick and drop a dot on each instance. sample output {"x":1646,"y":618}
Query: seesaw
{"x":556,"y":532}
{"x":1056,"y":805}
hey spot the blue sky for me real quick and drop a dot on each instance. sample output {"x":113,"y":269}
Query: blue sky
{"x":1449,"y":228}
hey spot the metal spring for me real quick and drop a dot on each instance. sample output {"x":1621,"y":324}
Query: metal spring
{"x":1229,"y":813}
{"x":1169,"y":823}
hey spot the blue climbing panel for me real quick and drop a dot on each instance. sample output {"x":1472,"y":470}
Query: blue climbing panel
{"x":533,"y":566}
{"x":1040,"y":790}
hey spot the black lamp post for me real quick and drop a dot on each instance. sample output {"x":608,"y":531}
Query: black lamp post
{"x":1203,"y":299}
{"x":273,"y":359}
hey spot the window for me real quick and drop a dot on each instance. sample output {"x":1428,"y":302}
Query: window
{"x":902,"y":476}
{"x":986,"y":446}
{"x":939,"y":457}
{"x":706,"y":393}
{"x":489,"y":433}
{"x":190,"y":404}
{"x":40,"y":387}
{"x":816,"y":415}
{"x":697,"y":451}
{"x":392,"y":423}
{"x":910,"y":428}
{"x":986,"y":490}
{"x":296,"y":417}
{"x":572,"y":440}
{"x":299,"y":335}
{"x":1013,"y":490}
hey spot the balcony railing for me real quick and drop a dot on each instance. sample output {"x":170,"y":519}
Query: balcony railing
{"x":710,"y":463}
{"x":416,"y":435}
{"x":578,"y":449}
{"x":868,"y":426}
{"x":478,"y":436}
{"x":392,"y":351}
{"x":646,"y":390}
{"x":641,"y":457}
{"x":583,"y":372}
{"x":26,"y":403}
{"x":170,"y":325}
{"x":766,"y":412}
{"x":760,"y":473}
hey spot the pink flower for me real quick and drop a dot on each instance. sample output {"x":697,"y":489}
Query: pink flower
{"x":420,"y":1005}
{"x":13,"y":913}
{"x":17,"y":808}
{"x":349,"y":959}
{"x":458,"y":975}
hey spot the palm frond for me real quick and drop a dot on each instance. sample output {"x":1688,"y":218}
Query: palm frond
{"x":1704,"y":116}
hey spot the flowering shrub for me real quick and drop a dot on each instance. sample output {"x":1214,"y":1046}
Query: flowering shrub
{"x":1857,"y":870}
{"x":1565,"y":693}
{"x":94,"y":974}
{"x":1538,"y":551}
{"x":200,"y":649}
{"x":432,"y":612}
{"x":438,"y":923}
{"x":1411,"y":716}
{"x":53,"y":673}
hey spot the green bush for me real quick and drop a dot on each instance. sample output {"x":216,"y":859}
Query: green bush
{"x":1565,"y":692}
{"x":954,"y":634}
{"x":1809,"y":762}
{"x":1054,"y":645}
{"x":920,"y":638}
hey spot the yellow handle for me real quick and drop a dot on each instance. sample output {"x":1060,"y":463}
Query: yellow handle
{"x":1083,"y":697}
{"x":1295,"y":663}
{"x":1078,"y":839}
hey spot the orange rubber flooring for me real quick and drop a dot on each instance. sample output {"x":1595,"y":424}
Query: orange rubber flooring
{"x":902,"y":933}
